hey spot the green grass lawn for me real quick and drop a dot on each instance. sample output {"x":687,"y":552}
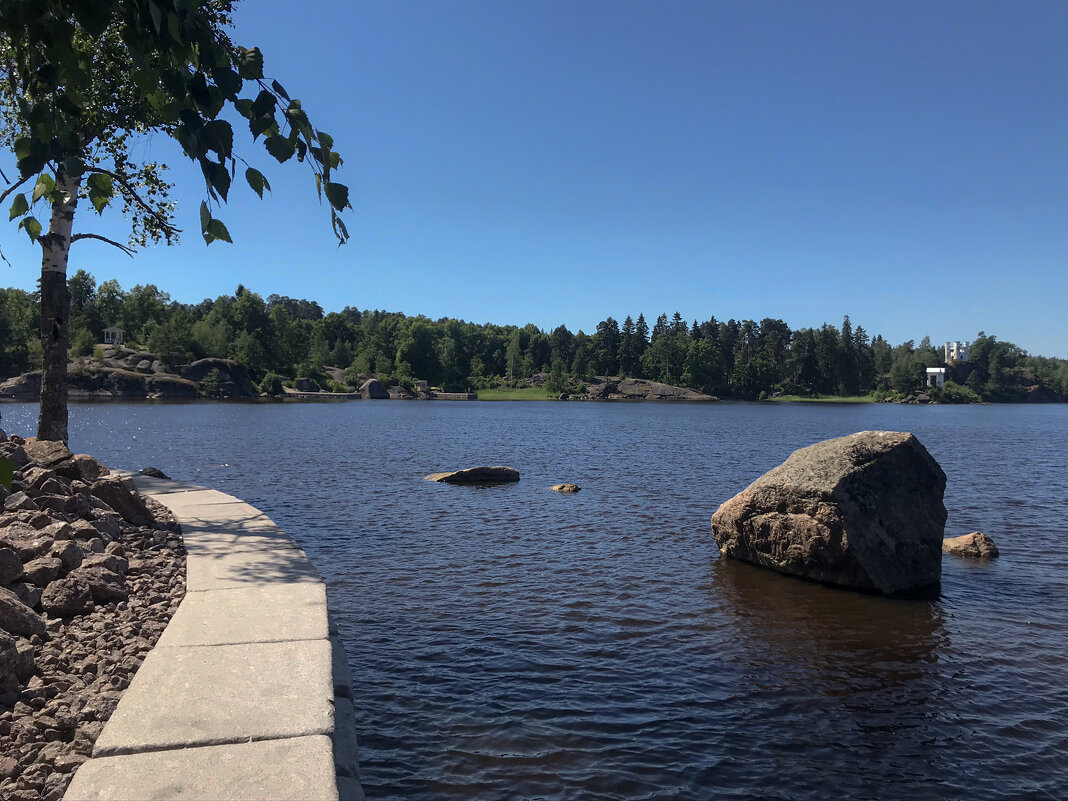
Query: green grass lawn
{"x":826,"y":399}
{"x":527,"y":393}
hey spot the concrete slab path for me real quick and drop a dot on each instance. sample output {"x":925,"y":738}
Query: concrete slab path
{"x":246,"y":695}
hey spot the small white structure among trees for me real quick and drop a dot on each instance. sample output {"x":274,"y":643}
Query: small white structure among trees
{"x":113,"y":336}
{"x":936,"y":377}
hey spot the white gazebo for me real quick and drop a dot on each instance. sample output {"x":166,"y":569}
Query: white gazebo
{"x":936,"y":377}
{"x":113,"y":336}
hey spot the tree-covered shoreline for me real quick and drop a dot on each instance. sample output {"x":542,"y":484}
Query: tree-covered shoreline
{"x":282,"y":339}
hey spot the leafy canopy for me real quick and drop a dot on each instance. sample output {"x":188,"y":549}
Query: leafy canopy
{"x":78,"y":78}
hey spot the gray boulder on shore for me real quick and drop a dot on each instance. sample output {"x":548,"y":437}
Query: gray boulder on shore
{"x":372,"y":389}
{"x":863,"y":512}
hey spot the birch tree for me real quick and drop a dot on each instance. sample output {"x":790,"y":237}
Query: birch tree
{"x":81,"y":83}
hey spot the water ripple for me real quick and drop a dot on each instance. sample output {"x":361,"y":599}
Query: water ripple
{"x":511,"y":643}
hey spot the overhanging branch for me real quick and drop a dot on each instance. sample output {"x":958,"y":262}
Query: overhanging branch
{"x":125,"y":249}
{"x":131,"y":192}
{"x":12,"y":188}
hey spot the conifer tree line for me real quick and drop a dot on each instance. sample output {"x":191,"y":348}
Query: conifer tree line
{"x":284,"y":338}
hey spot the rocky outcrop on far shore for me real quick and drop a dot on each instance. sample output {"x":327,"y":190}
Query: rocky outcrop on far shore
{"x":863,"y":512}
{"x":123,"y":373}
{"x":90,"y":574}
{"x":605,"y":388}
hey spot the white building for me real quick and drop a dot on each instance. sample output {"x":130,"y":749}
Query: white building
{"x":936,"y":376}
{"x":113,"y":336}
{"x":956,"y":352}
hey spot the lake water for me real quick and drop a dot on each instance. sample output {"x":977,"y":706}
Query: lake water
{"x":512,"y":643}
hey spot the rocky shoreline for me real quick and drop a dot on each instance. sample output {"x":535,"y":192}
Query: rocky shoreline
{"x":90,"y":574}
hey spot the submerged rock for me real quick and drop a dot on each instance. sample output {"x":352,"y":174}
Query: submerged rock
{"x":976,"y":545}
{"x":863,"y":512}
{"x":477,"y":475}
{"x":565,"y":488}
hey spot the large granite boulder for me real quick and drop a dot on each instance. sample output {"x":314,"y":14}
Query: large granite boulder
{"x":16,"y":617}
{"x":372,"y":389}
{"x":863,"y":512}
{"x":642,"y":389}
{"x":123,"y":499}
{"x":234,"y":380}
{"x":46,"y":453}
{"x":24,"y":387}
{"x":477,"y":475}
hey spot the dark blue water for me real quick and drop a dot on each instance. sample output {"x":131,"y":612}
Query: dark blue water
{"x":511,"y":643}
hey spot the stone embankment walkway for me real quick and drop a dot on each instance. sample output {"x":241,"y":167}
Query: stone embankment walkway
{"x":247,"y":695}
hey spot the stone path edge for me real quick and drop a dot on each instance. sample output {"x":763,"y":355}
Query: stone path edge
{"x":247,"y":696}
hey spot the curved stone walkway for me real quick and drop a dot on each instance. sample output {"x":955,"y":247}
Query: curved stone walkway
{"x":247,"y":695}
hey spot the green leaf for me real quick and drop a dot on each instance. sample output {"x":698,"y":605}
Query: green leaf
{"x":216,"y":176}
{"x":228,"y":81}
{"x":101,"y":190}
{"x":19,"y":206}
{"x":74,"y":166}
{"x":31,"y":226}
{"x":251,"y":63}
{"x":279,"y":147}
{"x":218,"y":136}
{"x":23,"y":147}
{"x":325,"y":139}
{"x":263,"y":104}
{"x":278,"y":88}
{"x":99,"y":182}
{"x":173,"y":27}
{"x":218,"y":231}
{"x":259,"y":125}
{"x":45,"y":186}
{"x":147,"y":79}
{"x":338,"y":195}
{"x":257,"y":181}
{"x":244,"y":107}
{"x":157,"y":16}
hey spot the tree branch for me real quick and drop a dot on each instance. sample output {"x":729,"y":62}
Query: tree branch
{"x":13,"y":187}
{"x":137,"y":198}
{"x":127,"y":250}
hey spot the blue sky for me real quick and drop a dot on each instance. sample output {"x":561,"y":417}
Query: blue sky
{"x":905,"y":163}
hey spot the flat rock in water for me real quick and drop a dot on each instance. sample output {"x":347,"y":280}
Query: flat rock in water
{"x":863,"y":512}
{"x":477,"y":475}
{"x":567,"y":489}
{"x":976,"y":545}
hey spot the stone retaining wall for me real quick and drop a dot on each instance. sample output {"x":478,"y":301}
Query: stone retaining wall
{"x":247,"y":695}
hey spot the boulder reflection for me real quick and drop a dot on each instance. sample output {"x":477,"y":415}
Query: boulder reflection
{"x":840,"y":641}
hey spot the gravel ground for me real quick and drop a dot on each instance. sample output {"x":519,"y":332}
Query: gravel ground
{"x":90,"y":574}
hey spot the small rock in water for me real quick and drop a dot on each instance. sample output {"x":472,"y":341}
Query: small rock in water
{"x":477,"y":475}
{"x":976,"y":545}
{"x":565,"y":488}
{"x":154,"y":472}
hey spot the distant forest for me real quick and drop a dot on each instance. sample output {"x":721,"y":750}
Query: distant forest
{"x":283,"y":338}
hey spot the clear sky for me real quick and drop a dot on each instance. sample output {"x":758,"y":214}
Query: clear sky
{"x":905,"y":163}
